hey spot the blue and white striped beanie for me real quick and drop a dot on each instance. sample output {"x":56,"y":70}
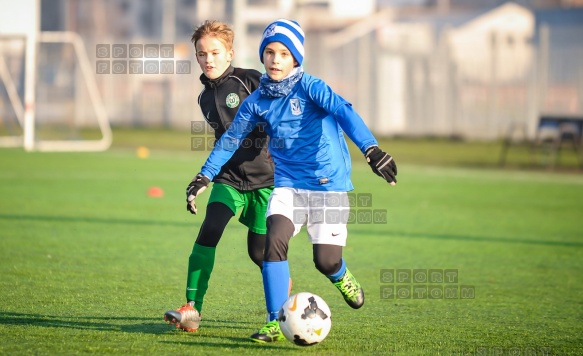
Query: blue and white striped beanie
{"x":287,"y":32}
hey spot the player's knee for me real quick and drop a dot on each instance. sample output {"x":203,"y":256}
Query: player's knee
{"x":210,"y":233}
{"x":256,"y":255}
{"x":327,"y":258}
{"x":326,"y":267}
{"x":256,"y":247}
{"x":279,"y":230}
{"x":211,"y":227}
{"x":276,"y":247}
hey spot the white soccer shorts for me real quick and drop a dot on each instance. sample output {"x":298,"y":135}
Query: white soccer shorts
{"x":325,"y":214}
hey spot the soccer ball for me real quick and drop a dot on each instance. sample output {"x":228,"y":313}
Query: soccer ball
{"x":305,"y":319}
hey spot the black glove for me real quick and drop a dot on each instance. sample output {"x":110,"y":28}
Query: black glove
{"x":382,"y":164}
{"x":197,"y":186}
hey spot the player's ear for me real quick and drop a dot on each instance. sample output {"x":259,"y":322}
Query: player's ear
{"x":230,"y":55}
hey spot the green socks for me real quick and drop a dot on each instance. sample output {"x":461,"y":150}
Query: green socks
{"x":200,"y":267}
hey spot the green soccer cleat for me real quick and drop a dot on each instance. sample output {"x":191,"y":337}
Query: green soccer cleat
{"x":351,"y":290}
{"x":269,"y":333}
{"x":186,"y":318}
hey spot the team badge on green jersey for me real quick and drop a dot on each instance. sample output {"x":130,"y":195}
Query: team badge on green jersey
{"x":232,"y":100}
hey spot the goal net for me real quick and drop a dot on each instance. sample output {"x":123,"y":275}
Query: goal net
{"x":49,"y":100}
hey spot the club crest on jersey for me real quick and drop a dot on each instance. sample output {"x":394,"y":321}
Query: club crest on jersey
{"x":295,"y":106}
{"x":232,"y":100}
{"x":270,"y":31}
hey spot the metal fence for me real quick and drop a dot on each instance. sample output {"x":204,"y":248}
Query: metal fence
{"x":402,"y":92}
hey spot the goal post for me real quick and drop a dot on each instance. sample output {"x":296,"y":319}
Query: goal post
{"x":31,"y":32}
{"x":21,"y":19}
{"x":102,"y":118}
{"x":12,"y":93}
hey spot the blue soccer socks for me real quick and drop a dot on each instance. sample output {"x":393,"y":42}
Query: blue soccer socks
{"x":276,"y":286}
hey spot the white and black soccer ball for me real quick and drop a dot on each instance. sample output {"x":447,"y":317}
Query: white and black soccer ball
{"x":305,"y":319}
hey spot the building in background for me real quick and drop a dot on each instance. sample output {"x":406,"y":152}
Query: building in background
{"x":411,"y":67}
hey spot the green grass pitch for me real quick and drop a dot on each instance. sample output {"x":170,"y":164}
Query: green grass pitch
{"x":89,"y":263}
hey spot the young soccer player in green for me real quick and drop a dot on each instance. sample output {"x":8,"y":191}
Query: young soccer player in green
{"x":243,"y":184}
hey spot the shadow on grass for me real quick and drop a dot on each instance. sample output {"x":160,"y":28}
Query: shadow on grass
{"x":352,"y":229}
{"x":93,"y":220}
{"x":83,"y":322}
{"x":574,"y":168}
{"x":146,"y":326}
{"x":468,"y":238}
{"x":236,"y":343}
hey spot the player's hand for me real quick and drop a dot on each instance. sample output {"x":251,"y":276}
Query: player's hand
{"x":382,"y":164}
{"x":197,"y":186}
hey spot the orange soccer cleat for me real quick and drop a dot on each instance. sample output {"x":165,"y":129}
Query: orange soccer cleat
{"x":186,"y":318}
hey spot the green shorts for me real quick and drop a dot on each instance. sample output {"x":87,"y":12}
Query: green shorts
{"x":253,"y":203}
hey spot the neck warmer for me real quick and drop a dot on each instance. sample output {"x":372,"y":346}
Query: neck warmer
{"x":279,"y":88}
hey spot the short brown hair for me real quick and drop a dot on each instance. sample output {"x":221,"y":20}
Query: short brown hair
{"x":217,"y":29}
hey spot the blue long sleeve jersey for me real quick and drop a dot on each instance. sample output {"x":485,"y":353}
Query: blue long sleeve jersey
{"x":306,"y":142}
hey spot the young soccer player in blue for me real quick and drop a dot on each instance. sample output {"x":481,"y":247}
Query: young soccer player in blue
{"x":306,"y":121}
